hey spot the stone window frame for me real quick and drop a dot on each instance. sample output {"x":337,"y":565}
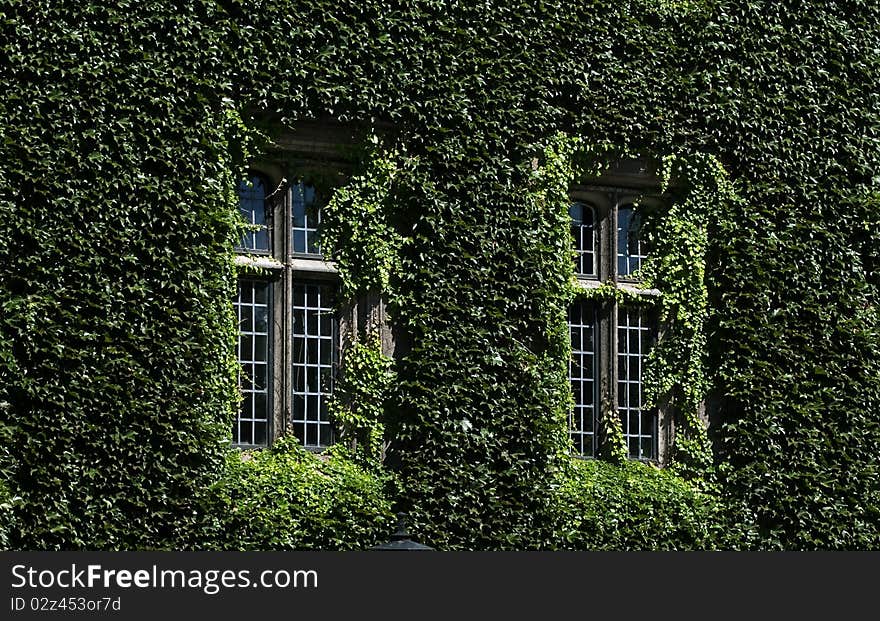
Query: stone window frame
{"x":630,"y":181}
{"x":310,"y":147}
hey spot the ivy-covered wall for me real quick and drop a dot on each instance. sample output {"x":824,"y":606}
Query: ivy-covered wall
{"x":124,"y":124}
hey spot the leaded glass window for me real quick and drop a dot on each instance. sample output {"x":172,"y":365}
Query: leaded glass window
{"x":313,"y":365}
{"x":609,"y":342}
{"x":251,"y":305}
{"x":306,"y":218}
{"x":630,"y":248}
{"x":582,"y":376}
{"x":634,"y":336}
{"x":252,"y":205}
{"x":583,"y":217}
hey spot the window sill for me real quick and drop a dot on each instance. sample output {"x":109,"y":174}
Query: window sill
{"x":258,"y":261}
{"x":629,"y":287}
{"x":313,"y":265}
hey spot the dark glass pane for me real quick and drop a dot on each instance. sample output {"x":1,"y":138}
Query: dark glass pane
{"x":261,"y":293}
{"x":261,"y":240}
{"x":588,"y":339}
{"x":299,"y":430}
{"x":312,"y":356}
{"x":634,"y":395}
{"x":260,"y":376}
{"x":298,"y":349}
{"x":261,"y":319}
{"x":260,"y":435}
{"x":576,"y":422}
{"x":299,"y":241}
{"x":311,"y":435}
{"x":259,"y":215}
{"x":326,"y":352}
{"x":308,"y":191}
{"x":326,"y":324}
{"x":261,"y":406}
{"x":312,"y":408}
{"x":261,"y":348}
{"x":312,"y":242}
{"x":577,"y":370}
{"x":325,"y":435}
{"x":312,"y":322}
{"x":325,"y":377}
{"x":587,"y":264}
{"x":246,"y":407}
{"x":245,"y":292}
{"x":633,"y":424}
{"x":247,"y":371}
{"x":246,"y":342}
{"x":647,"y":448}
{"x":299,"y":406}
{"x":245,"y":432}
{"x":246,"y":323}
{"x":646,"y":341}
{"x":312,"y":379}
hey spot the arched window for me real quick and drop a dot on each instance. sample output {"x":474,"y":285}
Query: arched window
{"x":583,"y":232}
{"x":252,"y":204}
{"x":630,"y":251}
{"x":306,"y":217}
{"x":289,"y":335}
{"x":610,"y":337}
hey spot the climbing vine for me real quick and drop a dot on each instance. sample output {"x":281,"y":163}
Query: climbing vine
{"x":358,"y":402}
{"x":117,"y":228}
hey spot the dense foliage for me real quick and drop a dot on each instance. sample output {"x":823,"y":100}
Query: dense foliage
{"x":120,"y":132}
{"x":636,"y":506}
{"x":285,"y":498}
{"x":115,"y":271}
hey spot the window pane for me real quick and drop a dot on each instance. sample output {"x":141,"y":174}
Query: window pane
{"x":582,"y":377}
{"x":251,"y":426}
{"x":583,"y":238}
{"x":313,"y":359}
